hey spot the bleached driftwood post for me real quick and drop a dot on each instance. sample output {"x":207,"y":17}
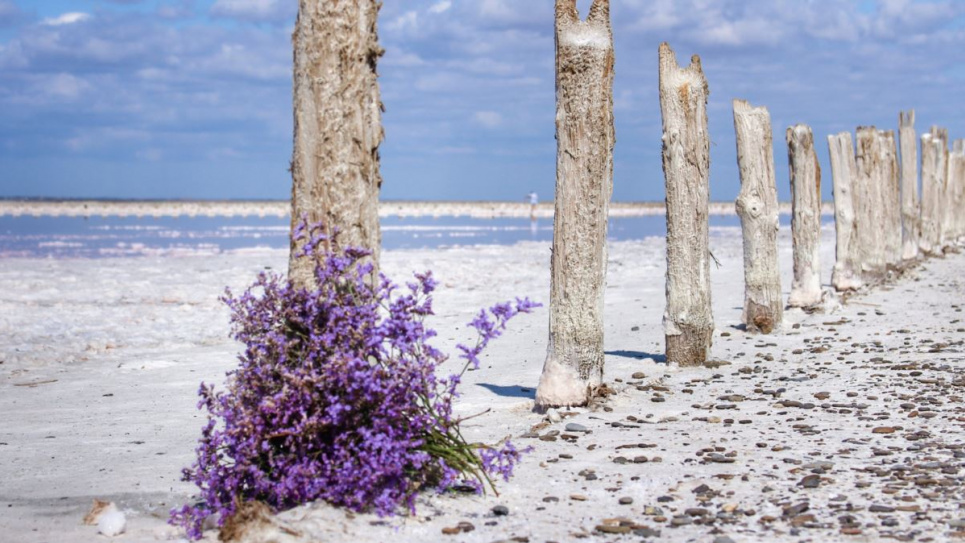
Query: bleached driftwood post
{"x":955,"y":199}
{"x":584,"y":183}
{"x":688,"y":320}
{"x":910,"y":210}
{"x":846,"y":274}
{"x":868,"y":208}
{"x":757,"y":208}
{"x":887,"y":175}
{"x":933,"y":174}
{"x":338,"y":125}
{"x":805,"y":217}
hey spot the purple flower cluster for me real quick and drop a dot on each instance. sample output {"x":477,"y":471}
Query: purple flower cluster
{"x":336,"y":396}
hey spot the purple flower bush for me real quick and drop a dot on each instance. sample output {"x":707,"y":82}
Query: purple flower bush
{"x":336,"y":397}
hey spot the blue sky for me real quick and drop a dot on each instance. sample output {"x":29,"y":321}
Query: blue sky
{"x":192,"y":98}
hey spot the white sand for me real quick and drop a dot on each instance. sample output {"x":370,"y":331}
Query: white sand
{"x":102,"y":360}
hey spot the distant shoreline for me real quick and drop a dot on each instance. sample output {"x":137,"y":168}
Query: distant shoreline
{"x":281,"y":208}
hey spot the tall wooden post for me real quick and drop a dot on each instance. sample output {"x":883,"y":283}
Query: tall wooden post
{"x":805,"y":217}
{"x":934,"y":171}
{"x":688,"y":320}
{"x":910,"y":207}
{"x":869,"y":197}
{"x":887,"y":175}
{"x":955,"y":208}
{"x":758,"y":211}
{"x":584,"y":183}
{"x":847,"y":267}
{"x":338,"y":125}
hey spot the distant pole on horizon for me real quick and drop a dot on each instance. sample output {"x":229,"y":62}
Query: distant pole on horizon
{"x":688,"y":320}
{"x":338,"y":126}
{"x":584,"y":185}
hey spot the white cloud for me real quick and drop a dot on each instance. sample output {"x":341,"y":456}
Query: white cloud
{"x":251,"y":10}
{"x":408,"y":21}
{"x":65,"y":86}
{"x":67,"y":19}
{"x":440,"y":7}
{"x":488,"y":119}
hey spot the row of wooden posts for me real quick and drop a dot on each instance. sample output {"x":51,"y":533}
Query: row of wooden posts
{"x":880,"y":222}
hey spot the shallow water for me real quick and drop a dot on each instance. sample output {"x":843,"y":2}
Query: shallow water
{"x":106,"y":237}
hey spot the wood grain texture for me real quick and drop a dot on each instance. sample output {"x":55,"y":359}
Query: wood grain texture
{"x":934,"y":172}
{"x":846,"y":274}
{"x":910,"y":203}
{"x":688,"y":319}
{"x":805,"y":174}
{"x":338,"y":124}
{"x":584,"y":183}
{"x":758,"y":211}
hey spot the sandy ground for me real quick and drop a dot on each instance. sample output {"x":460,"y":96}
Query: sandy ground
{"x":846,"y":426}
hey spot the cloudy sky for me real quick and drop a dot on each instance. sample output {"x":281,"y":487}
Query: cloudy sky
{"x":192,"y":98}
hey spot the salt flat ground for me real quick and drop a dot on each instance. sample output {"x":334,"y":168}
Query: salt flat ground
{"x":845,"y":426}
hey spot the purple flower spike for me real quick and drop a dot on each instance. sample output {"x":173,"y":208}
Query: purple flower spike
{"x":336,"y":396}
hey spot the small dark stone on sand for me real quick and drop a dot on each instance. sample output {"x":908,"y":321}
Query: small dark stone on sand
{"x":500,"y":510}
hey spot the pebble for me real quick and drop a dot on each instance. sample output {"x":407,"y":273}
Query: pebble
{"x":626,"y":500}
{"x":576,"y":427}
{"x":553,"y":415}
{"x":500,"y":510}
{"x":723,"y":539}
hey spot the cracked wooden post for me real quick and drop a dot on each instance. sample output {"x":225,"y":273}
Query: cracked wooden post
{"x":868,"y":209}
{"x":338,"y":125}
{"x":910,"y":207}
{"x":688,"y":320}
{"x":887,"y":175}
{"x":805,"y":217}
{"x":933,"y":173}
{"x":846,"y":274}
{"x":955,"y":208}
{"x":757,"y":208}
{"x":584,"y":183}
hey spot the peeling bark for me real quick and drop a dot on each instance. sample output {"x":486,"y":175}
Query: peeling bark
{"x":934,"y":169}
{"x":757,"y":208}
{"x":805,"y":217}
{"x":910,"y":207}
{"x":688,"y":320}
{"x":584,"y":184}
{"x":338,"y":125}
{"x":846,"y":274}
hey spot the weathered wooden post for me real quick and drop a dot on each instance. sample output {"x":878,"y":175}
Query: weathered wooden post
{"x":584,"y":183}
{"x":805,"y":217}
{"x":868,"y":204}
{"x":933,"y":173}
{"x":910,"y":209}
{"x":846,"y":274}
{"x":955,"y":208}
{"x":758,"y":211}
{"x":887,"y":175}
{"x":688,"y":320}
{"x":338,"y":125}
